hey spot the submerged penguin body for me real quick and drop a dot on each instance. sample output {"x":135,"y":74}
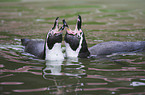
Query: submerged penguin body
{"x":35,"y":47}
{"x":106,"y":48}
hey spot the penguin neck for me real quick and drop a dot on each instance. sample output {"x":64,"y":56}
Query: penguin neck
{"x":81,"y":51}
{"x":55,"y":53}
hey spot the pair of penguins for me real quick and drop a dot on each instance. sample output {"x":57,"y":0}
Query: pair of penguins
{"x":75,"y":44}
{"x":50,"y":49}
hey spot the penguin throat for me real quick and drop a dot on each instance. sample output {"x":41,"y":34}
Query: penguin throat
{"x":72,"y":47}
{"x":73,"y":41}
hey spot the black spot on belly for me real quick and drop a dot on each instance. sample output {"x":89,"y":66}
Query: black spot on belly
{"x":51,"y":40}
{"x":72,"y":40}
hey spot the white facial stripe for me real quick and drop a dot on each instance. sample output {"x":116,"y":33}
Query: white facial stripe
{"x":78,"y":19}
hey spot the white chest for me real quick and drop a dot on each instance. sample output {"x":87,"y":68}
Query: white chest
{"x":55,"y":53}
{"x":70,"y":52}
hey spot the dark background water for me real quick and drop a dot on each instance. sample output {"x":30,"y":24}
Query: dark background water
{"x":103,"y":20}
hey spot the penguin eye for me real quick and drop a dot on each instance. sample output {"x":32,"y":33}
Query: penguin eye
{"x":78,"y":36}
{"x":81,"y":33}
{"x":49,"y":34}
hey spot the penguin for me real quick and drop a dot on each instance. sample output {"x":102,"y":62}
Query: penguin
{"x":75,"y":41}
{"x":76,"y":45}
{"x":107,"y":48}
{"x":50,"y":49}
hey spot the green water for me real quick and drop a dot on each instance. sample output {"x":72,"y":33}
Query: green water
{"x":103,"y":20}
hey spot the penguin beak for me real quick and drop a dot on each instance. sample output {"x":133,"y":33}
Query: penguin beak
{"x":62,"y":28}
{"x":65,"y":25}
{"x":77,"y":29}
{"x":55,"y":29}
{"x":55,"y":26}
{"x":79,"y":22}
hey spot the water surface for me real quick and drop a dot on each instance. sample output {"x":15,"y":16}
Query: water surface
{"x":114,"y":20}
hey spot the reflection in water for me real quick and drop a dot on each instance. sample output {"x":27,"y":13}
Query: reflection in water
{"x":137,"y":84}
{"x":55,"y":68}
{"x":21,"y":73}
{"x":31,"y":90}
{"x":11,"y":83}
{"x":60,"y":74}
{"x":52,"y":68}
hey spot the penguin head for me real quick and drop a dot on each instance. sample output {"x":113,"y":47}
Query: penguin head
{"x":54,"y":35}
{"x":76,"y":39}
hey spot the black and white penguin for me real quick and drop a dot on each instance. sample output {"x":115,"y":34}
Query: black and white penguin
{"x":76,"y":45}
{"x":50,"y":49}
{"x":75,"y":42}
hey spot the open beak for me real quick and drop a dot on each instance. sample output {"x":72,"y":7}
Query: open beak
{"x":55,"y":29}
{"x":55,"y":26}
{"x":78,"y":26}
{"x":65,"y":25}
{"x":77,"y":29}
{"x":79,"y":23}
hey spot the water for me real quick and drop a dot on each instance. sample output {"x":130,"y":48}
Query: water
{"x":22,"y":73}
{"x":117,"y":74}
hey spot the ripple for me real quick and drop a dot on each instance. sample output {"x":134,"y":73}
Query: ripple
{"x":11,"y":83}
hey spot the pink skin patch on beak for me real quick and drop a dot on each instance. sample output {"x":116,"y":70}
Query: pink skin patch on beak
{"x":73,"y":32}
{"x":55,"y":32}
